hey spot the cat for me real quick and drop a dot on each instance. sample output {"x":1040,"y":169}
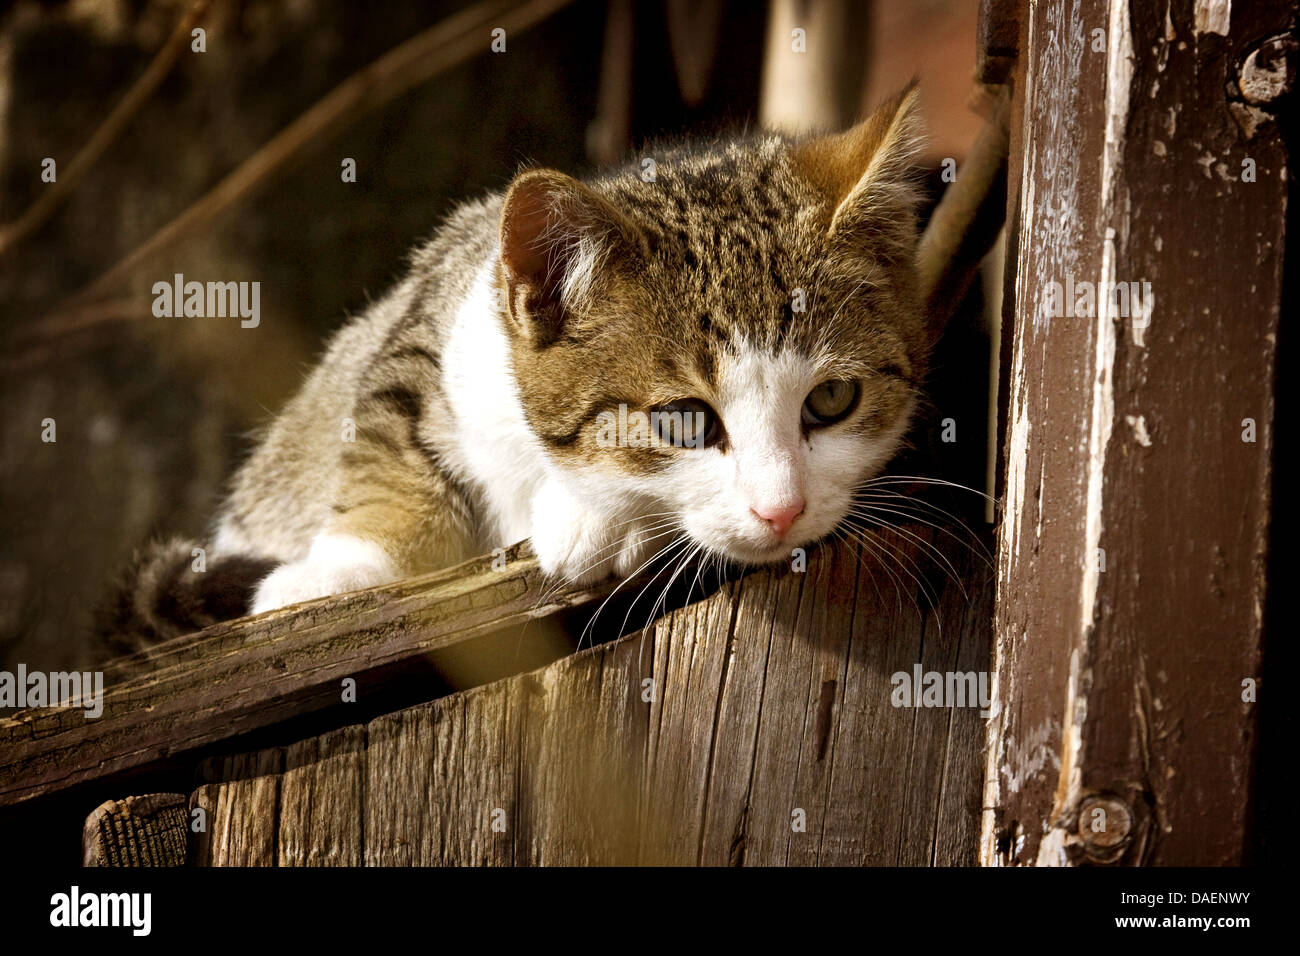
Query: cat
{"x":756,"y":295}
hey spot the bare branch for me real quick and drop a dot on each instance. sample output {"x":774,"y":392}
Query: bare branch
{"x":441,"y":47}
{"x":36,"y":215}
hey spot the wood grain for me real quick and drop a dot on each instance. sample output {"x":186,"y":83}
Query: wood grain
{"x":252,"y":673}
{"x":321,"y":793}
{"x":696,"y":742}
{"x":1131,"y":559}
{"x":148,"y":830}
{"x":240,"y":810}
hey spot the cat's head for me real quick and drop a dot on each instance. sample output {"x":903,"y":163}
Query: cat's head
{"x":728,"y":335}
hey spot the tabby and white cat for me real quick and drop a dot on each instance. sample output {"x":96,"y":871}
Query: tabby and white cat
{"x":764,"y":286}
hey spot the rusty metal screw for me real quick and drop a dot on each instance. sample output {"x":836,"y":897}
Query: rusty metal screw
{"x":1268,"y":71}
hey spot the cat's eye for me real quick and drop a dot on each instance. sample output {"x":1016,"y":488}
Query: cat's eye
{"x":687,"y":423}
{"x":829,"y":402}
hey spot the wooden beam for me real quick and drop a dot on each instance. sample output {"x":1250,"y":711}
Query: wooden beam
{"x":1139,"y":445}
{"x":244,"y":675}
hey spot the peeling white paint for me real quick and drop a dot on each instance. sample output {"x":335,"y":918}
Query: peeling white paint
{"x":1143,"y":308}
{"x":1119,"y":77}
{"x":1021,"y":762}
{"x":1042,"y":478}
{"x":1051,"y":849}
{"x":1050,"y":178}
{"x":1213,"y":16}
{"x":1249,"y":118}
{"x":988,"y":849}
{"x":1099,"y":430}
{"x":1017,"y":457}
{"x":1139,"y":425}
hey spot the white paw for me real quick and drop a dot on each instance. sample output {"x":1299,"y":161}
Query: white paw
{"x":578,"y":544}
{"x":335,"y":564}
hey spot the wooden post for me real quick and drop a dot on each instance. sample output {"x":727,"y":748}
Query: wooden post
{"x":814,"y":66}
{"x":1139,"y":445}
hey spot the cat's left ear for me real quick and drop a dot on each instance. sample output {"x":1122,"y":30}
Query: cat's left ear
{"x":557,"y":238}
{"x":866,"y":173}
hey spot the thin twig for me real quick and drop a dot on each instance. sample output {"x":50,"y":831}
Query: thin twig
{"x":35,"y":216}
{"x":31,"y":346}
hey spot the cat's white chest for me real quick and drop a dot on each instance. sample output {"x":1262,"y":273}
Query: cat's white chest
{"x":491,"y":443}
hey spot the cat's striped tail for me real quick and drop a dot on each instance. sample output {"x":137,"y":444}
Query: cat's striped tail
{"x":170,"y":588}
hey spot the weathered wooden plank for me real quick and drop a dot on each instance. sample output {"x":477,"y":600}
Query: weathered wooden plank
{"x":321,"y":800}
{"x":536,"y":770}
{"x":869,"y":782}
{"x":763,"y":600}
{"x":442,"y":781}
{"x":1132,"y":550}
{"x":813,"y":682}
{"x":957,"y":815}
{"x":240,"y":809}
{"x":954,"y":642}
{"x":484,"y":817}
{"x":584,"y":730}
{"x":769,"y":697}
{"x":762,"y":822}
{"x":691,"y":651}
{"x":244,"y":675}
{"x":401,"y":820}
{"x":148,"y":830}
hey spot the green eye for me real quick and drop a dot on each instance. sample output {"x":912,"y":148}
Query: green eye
{"x":688,"y":423}
{"x":829,"y":402}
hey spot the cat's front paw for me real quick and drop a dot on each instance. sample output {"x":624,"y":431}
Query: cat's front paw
{"x":578,"y":544}
{"x":567,"y":541}
{"x":334,"y":565}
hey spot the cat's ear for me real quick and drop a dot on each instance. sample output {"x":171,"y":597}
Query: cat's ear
{"x":557,"y":235}
{"x":866,"y":173}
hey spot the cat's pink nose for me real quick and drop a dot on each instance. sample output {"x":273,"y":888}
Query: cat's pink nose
{"x":779,"y":517}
